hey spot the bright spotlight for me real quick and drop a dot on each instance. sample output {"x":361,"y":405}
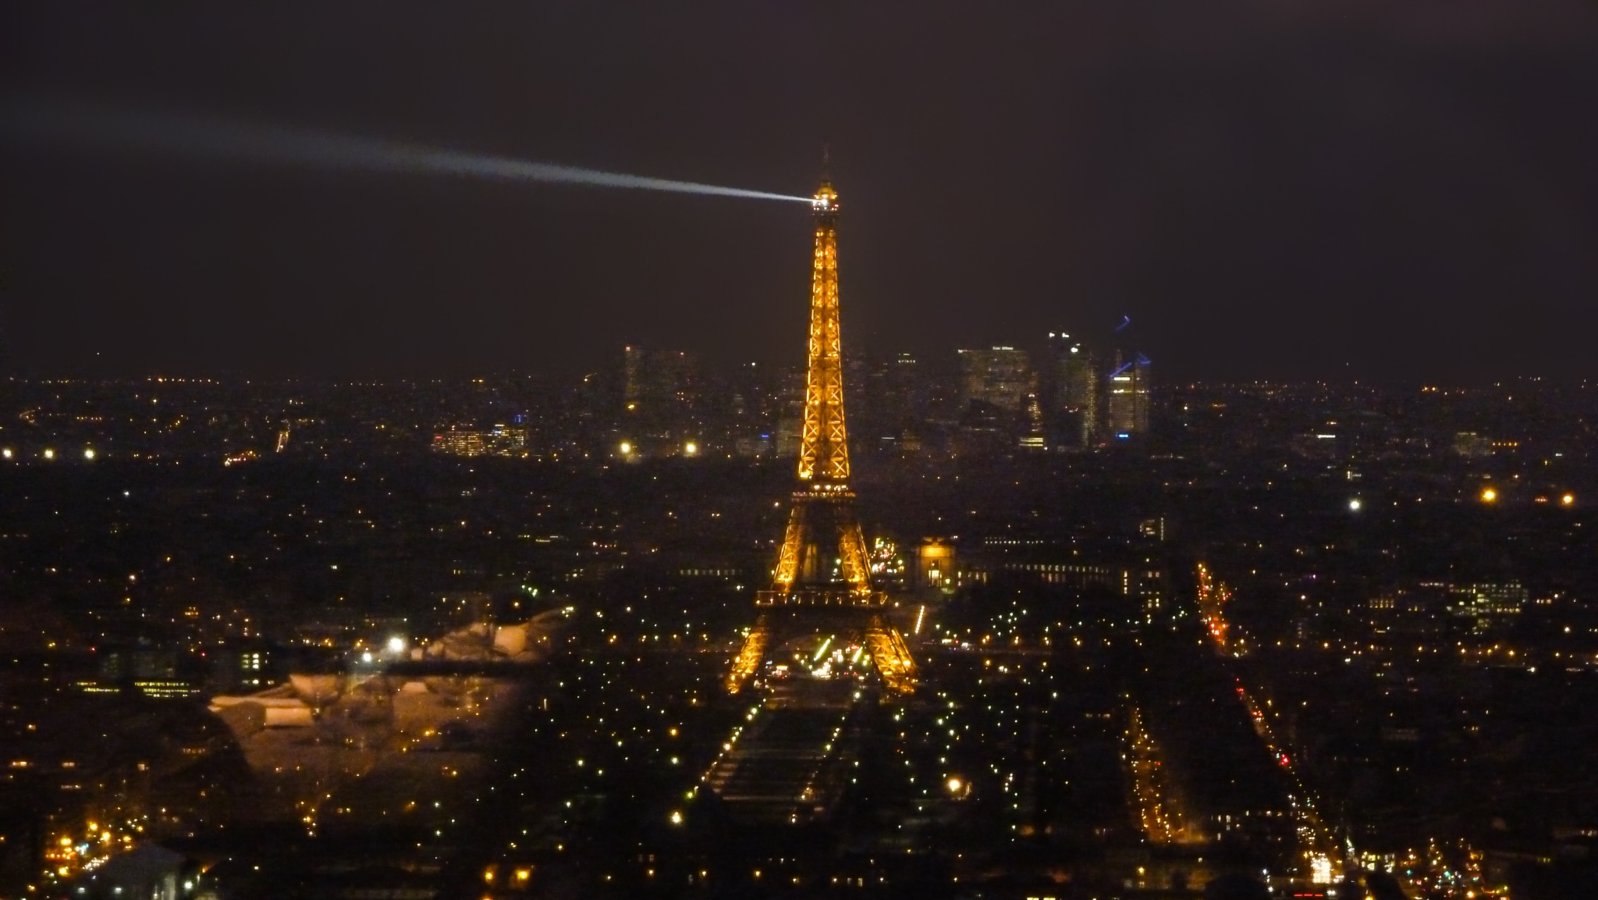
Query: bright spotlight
{"x":396,"y":644}
{"x":1354,"y":505}
{"x":62,"y":123}
{"x":88,"y":453}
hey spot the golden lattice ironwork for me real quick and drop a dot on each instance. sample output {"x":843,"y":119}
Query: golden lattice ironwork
{"x":891,"y":656}
{"x":822,"y":519}
{"x":745,"y":664}
{"x":824,"y":453}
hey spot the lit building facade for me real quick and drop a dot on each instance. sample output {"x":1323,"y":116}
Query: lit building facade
{"x":660,"y":400}
{"x":1071,"y":393}
{"x":501,"y":439}
{"x":1127,"y":406}
{"x":997,"y":376}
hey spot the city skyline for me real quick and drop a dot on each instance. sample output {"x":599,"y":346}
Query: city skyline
{"x":1268,"y":194}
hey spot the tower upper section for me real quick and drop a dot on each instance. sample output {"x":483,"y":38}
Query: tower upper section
{"x":824,"y":449}
{"x":825,"y":200}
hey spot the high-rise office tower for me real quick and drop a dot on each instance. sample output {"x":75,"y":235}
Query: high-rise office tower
{"x":660,"y":398}
{"x":1127,"y":407}
{"x":997,"y":376}
{"x":1070,"y":393}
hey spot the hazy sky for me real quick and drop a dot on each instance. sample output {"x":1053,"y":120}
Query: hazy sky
{"x":1272,"y":189}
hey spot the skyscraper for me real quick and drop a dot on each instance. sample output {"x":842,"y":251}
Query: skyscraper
{"x":660,"y":398}
{"x":1070,"y":393}
{"x":1127,"y":408}
{"x":997,"y":376}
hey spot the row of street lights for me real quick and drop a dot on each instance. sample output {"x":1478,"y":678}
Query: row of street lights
{"x":48,"y":454}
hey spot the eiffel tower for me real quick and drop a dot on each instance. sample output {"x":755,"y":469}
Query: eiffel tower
{"x":806,"y":590}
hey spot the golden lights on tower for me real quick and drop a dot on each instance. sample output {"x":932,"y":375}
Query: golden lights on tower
{"x":822,"y":509}
{"x":824,"y":447}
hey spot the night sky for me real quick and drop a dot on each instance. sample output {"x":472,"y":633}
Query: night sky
{"x":1276,"y":189}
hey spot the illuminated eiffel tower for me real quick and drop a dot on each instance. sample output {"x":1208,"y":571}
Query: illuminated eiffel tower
{"x":807,"y":590}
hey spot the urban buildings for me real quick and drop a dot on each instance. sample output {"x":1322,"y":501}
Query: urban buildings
{"x":1127,"y":406}
{"x":1228,"y":643}
{"x":1072,"y":387}
{"x":1000,"y":377}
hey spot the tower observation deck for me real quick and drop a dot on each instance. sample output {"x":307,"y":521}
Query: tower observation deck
{"x":822,"y":573}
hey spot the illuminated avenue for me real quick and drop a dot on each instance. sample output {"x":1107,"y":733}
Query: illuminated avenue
{"x":1059,"y":632}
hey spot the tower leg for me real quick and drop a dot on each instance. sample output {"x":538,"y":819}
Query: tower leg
{"x":852,"y":553}
{"x":792,"y":547}
{"x":891,"y":655}
{"x":747,"y":662}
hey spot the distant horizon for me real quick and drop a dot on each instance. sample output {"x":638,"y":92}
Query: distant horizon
{"x":946,"y":366}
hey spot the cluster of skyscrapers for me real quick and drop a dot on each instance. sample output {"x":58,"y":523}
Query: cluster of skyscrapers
{"x":1059,"y":396}
{"x":1067,"y":397}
